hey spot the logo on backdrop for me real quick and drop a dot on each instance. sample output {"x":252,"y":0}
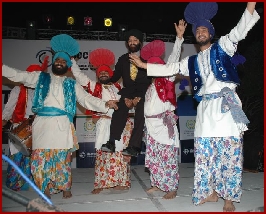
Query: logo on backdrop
{"x":190,"y":124}
{"x":42,"y":53}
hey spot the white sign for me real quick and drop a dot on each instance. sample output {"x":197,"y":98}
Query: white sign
{"x":85,"y":129}
{"x":187,"y":126}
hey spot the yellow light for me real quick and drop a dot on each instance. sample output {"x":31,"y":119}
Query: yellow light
{"x":70,"y":20}
{"x":108,"y":22}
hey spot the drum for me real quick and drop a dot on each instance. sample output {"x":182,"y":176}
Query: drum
{"x":22,"y":136}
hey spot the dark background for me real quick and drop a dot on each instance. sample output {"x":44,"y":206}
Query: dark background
{"x":150,"y":18}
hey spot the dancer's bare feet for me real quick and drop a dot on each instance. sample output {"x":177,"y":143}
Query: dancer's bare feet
{"x":67,"y":194}
{"x":170,"y":195}
{"x":228,"y":206}
{"x":212,"y":198}
{"x":97,"y":191}
{"x":121,"y":188}
{"x":47,"y":192}
{"x":152,"y":189}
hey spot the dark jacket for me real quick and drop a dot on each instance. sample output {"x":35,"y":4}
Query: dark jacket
{"x":130,"y":88}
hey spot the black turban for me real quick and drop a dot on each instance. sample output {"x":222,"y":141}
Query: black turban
{"x":134,"y":32}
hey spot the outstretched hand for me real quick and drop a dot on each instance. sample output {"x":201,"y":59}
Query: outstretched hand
{"x":137,"y":61}
{"x":112,"y":104}
{"x":180,"y":28}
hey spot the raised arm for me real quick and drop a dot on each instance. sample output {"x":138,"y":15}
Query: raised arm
{"x":180,"y":30}
{"x":251,"y":7}
{"x":80,"y":77}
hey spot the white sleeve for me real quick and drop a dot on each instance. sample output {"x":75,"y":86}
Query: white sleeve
{"x":88,"y":101}
{"x":175,"y":54}
{"x":29,"y":79}
{"x":80,"y":77}
{"x":229,"y":42}
{"x":11,"y":104}
{"x":168,"y":69}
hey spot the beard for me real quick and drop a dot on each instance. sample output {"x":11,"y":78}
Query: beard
{"x":104,"y":81}
{"x":203,"y":43}
{"x":59,"y":71}
{"x":134,"y":49}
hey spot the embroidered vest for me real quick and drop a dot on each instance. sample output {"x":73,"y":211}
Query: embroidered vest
{"x":166,"y":90}
{"x":42,"y":89}
{"x":222,"y":67}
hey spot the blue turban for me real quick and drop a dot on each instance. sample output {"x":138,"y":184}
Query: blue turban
{"x":199,"y":14}
{"x":64,"y":56}
{"x":64,"y":47}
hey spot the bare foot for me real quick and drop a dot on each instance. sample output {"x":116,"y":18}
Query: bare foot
{"x":212,"y":198}
{"x":170,"y":195}
{"x":228,"y":206}
{"x":152,"y":189}
{"x":47,"y":192}
{"x":121,"y":188}
{"x":96,"y":191}
{"x":67,"y":194}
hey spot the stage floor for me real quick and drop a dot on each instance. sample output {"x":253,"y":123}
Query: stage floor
{"x":137,"y":200}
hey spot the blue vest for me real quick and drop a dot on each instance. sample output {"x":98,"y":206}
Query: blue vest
{"x":222,"y":67}
{"x":42,"y":89}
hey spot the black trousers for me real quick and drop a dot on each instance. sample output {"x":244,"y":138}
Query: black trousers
{"x":119,"y":120}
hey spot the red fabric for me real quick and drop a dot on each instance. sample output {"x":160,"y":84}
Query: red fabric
{"x":166,"y":90}
{"x":97,"y":93}
{"x":104,"y":68}
{"x":156,"y":60}
{"x":20,"y":109}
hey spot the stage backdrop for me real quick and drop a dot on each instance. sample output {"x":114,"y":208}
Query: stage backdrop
{"x":21,"y":53}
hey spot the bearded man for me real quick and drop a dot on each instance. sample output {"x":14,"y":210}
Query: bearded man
{"x":135,"y":85}
{"x":53,"y":132}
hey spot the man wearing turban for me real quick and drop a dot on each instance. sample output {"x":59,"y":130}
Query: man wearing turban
{"x":220,"y":120}
{"x":54,"y":103}
{"x":135,"y":84}
{"x":112,"y":169}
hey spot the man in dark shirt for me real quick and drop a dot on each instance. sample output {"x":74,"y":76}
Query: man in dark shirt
{"x":135,"y":85}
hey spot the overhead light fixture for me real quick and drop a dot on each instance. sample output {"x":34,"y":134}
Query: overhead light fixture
{"x":31,"y":30}
{"x":121,"y":32}
{"x":87,"y":21}
{"x":47,"y":19}
{"x":108,"y":22}
{"x":70,"y":20}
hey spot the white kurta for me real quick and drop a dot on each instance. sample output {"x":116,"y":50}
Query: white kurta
{"x":109,"y":92}
{"x":210,"y":122}
{"x":9,"y":109}
{"x":53,"y":132}
{"x":153,"y":105}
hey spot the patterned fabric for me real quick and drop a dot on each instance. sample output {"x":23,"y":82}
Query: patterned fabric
{"x":229,"y":102}
{"x":169,"y":120}
{"x":162,"y":161}
{"x":53,"y":167}
{"x":111,"y":170}
{"x":14,"y":180}
{"x":133,"y":71}
{"x":218,"y":166}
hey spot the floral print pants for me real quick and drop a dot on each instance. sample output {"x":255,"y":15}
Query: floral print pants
{"x":53,"y":167}
{"x":162,"y":161}
{"x":218,"y":166}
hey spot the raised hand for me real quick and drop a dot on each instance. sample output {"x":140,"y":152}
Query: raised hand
{"x":180,"y":28}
